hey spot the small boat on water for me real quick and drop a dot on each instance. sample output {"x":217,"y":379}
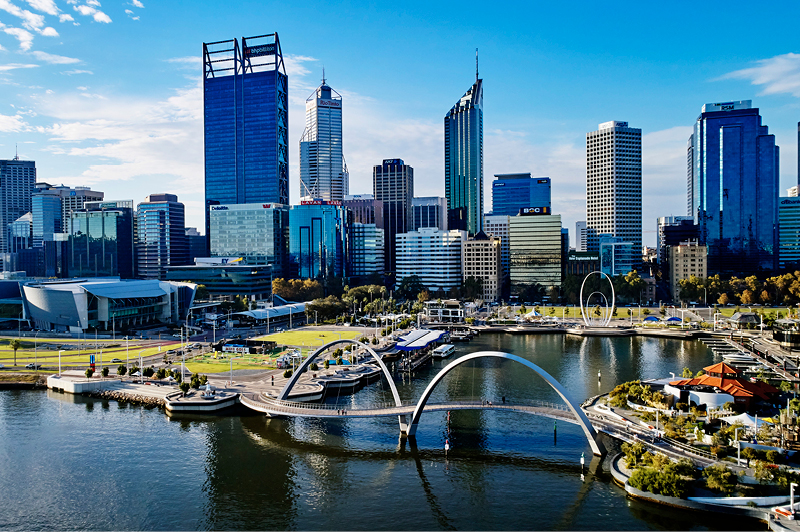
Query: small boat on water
{"x":443,"y":351}
{"x":739,"y":358}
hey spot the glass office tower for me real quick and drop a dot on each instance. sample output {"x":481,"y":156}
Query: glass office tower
{"x":318,"y":232}
{"x":513,"y":192}
{"x":393,"y":184}
{"x":734,"y":179}
{"x":246,"y":122}
{"x":101,"y":240}
{"x":256,"y":232}
{"x":323,"y":171}
{"x":16,"y":188}
{"x":161,"y":232}
{"x":463,"y":161}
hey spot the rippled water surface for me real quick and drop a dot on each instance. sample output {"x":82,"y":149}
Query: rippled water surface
{"x":73,"y":463}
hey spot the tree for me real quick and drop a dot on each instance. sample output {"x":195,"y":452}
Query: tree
{"x":121,"y":369}
{"x":687,"y":373}
{"x":15,"y":344}
{"x":720,"y":478}
{"x":105,"y":371}
{"x":749,"y":454}
{"x":748,"y":297}
{"x":410,"y":287}
{"x":89,"y":372}
{"x":201,"y":292}
{"x":723,"y":299}
{"x":184,"y":387}
{"x":472,"y":288}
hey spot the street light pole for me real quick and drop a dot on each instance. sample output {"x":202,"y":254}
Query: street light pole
{"x":791,"y":496}
{"x":59,"y":362}
{"x":141,"y":368}
{"x":738,"y":446}
{"x":35,"y":353}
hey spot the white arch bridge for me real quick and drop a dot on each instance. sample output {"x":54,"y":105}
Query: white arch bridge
{"x":569,"y":412}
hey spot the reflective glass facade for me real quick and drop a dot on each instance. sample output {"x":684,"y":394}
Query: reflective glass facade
{"x":789,"y":217}
{"x":463,"y":161}
{"x":323,"y":172}
{"x":535,"y":251}
{"x":16,"y":187}
{"x":161,"y":235}
{"x":46,"y":211}
{"x":366,"y":250}
{"x":257,"y":232}
{"x":245,"y":122}
{"x":734,"y":177}
{"x":512,"y":192}
{"x":429,"y":211}
{"x":318,"y":240}
{"x":101,"y":240}
{"x":393,"y":184}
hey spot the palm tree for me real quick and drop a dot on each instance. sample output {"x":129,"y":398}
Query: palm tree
{"x":15,"y":344}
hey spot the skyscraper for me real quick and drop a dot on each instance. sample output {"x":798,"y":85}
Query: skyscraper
{"x":161,"y":230}
{"x":512,"y":192}
{"x":16,"y":187}
{"x":734,"y":191}
{"x":52,"y":207}
{"x":429,"y":212}
{"x":246,"y":122}
{"x":614,"y":184}
{"x":580,"y":236}
{"x":318,"y":235}
{"x":393,"y":184}
{"x":323,"y":171}
{"x":463,"y":160}
{"x":101,"y":240}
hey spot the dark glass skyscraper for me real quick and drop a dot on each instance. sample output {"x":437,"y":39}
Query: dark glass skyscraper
{"x":734,"y":176}
{"x":245,"y":122}
{"x":161,"y":236}
{"x":393,"y":184}
{"x":512,"y":192}
{"x":463,"y":161}
{"x":16,"y":188}
{"x":101,"y":240}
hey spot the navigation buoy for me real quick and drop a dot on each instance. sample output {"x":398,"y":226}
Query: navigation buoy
{"x":583,"y":460}
{"x":599,"y":376}
{"x":446,"y":446}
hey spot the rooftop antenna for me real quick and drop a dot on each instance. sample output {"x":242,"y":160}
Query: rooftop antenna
{"x":323,"y":75}
{"x":476,"y":65}
{"x":16,"y":152}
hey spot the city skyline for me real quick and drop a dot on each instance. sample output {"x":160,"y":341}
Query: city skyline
{"x":128,"y":120}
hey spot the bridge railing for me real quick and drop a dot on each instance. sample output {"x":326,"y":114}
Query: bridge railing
{"x":469,"y":401}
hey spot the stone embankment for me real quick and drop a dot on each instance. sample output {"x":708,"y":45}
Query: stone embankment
{"x":128,"y":397}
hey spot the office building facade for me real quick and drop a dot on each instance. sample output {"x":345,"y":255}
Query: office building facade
{"x":497,"y":226}
{"x":246,"y":124}
{"x":161,"y":236}
{"x":429,"y":212}
{"x":618,"y":257}
{"x":686,"y":259}
{"x":16,"y":188}
{"x":318,"y":239}
{"x":365,"y":208}
{"x":514,"y":192}
{"x":535,"y":251}
{"x":323,"y":171}
{"x":463,"y":161}
{"x":101,"y":240}
{"x":614,"y":183}
{"x":393,"y":184}
{"x":480,"y":259}
{"x":580,"y":237}
{"x":258,"y":233}
{"x":734,"y":173}
{"x":789,"y":222}
{"x":366,"y":256}
{"x":441,"y":267}
{"x":672,"y":230}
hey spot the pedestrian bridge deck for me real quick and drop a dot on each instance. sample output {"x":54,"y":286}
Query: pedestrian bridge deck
{"x":277,"y":407}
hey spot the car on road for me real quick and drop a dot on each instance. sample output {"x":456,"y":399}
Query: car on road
{"x":236,"y":337}
{"x":33,"y":366}
{"x":197,"y":346}
{"x":116,"y":361}
{"x":2,"y":366}
{"x":177,"y":336}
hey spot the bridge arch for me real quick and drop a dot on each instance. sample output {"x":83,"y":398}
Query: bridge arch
{"x":284,"y":393}
{"x":588,"y":430}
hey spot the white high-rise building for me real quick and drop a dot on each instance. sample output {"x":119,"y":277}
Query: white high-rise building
{"x":323,"y":170}
{"x":432,"y":255}
{"x":497,"y":225}
{"x":614,"y":183}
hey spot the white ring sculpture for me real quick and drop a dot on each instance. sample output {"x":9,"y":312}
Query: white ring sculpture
{"x":588,"y":429}
{"x":606,"y":318}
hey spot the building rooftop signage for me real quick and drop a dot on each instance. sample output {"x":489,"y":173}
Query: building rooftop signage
{"x":727,"y":106}
{"x":261,"y":49}
{"x":320,"y":202}
{"x":533,"y":211}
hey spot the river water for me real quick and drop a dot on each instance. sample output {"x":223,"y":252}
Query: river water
{"x":75,"y":463}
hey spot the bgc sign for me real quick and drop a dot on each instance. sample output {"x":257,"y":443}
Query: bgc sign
{"x":533,"y":211}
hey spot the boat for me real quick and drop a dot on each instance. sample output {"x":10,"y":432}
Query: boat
{"x":443,"y":351}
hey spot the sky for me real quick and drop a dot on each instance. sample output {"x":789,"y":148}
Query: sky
{"x":109,"y":94}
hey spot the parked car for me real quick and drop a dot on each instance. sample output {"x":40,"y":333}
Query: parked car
{"x":116,"y":361}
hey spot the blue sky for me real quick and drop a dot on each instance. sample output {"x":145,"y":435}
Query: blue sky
{"x":108,"y":94}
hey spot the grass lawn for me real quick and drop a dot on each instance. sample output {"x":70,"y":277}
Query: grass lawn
{"x":50,"y":358}
{"x":309,"y":338}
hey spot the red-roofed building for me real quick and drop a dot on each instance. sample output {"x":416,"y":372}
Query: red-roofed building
{"x":720,"y":384}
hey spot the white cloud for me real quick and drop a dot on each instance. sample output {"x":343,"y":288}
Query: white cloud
{"x":55,"y":59}
{"x":94,"y":3}
{"x":778,"y":75}
{"x":15,"y":66}
{"x":75,"y":72}
{"x":64,"y":17}
{"x":89,"y":11}
{"x":12,"y":124}
{"x":30,"y":21}
{"x":45,"y":6}
{"x":130,"y":14}
{"x":137,"y":3}
{"x":24,"y":37}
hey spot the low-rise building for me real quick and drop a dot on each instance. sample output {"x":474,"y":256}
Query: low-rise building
{"x":480,"y":257}
{"x":444,"y":311}
{"x":686,"y":259}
